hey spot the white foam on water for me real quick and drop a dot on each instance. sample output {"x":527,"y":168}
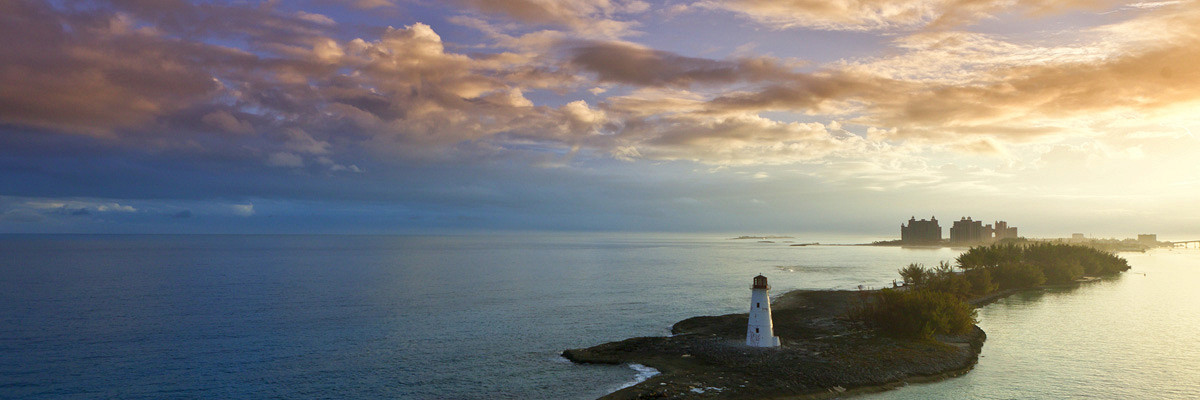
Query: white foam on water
{"x":643,"y":373}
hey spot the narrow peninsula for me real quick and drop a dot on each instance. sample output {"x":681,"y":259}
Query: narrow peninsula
{"x":838,"y":343}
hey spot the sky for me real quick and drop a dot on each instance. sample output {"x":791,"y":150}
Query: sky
{"x":748,"y":116}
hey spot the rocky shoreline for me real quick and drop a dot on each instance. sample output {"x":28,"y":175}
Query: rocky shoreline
{"x":824,"y":355}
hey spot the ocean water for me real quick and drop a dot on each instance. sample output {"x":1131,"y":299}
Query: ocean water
{"x":485,"y":316}
{"x":1133,"y":337}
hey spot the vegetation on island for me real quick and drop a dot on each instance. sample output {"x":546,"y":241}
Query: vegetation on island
{"x":916,"y":313}
{"x":933,"y":301}
{"x":1017,"y":267}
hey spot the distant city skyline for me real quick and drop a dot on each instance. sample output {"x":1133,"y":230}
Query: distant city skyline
{"x":740,"y":116}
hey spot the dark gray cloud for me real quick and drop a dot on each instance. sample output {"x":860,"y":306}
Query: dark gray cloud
{"x":626,"y":63}
{"x":69,"y":72}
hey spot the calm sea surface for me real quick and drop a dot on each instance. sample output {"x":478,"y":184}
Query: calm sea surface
{"x":1133,"y":337}
{"x":485,"y":316}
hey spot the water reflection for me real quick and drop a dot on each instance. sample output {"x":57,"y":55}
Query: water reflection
{"x":1129,"y":337}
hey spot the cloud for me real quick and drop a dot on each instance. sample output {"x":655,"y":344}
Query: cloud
{"x":871,"y":15}
{"x":89,"y":75}
{"x":627,"y":63}
{"x":115,"y":207}
{"x":282,"y":159}
{"x":1153,"y":4}
{"x":315,"y":18}
{"x":305,"y":94}
{"x":62,"y":210}
{"x":1050,"y":96}
{"x":297,"y":140}
{"x":225,"y":121}
{"x":970,"y":91}
{"x":588,"y":17}
{"x":73,"y":206}
{"x":23,"y":216}
{"x":742,"y":139}
{"x":825,"y":92}
{"x":96,"y":71}
{"x":144,"y":76}
{"x":182,"y":214}
{"x":583,"y":118}
{"x":369,"y":4}
{"x":299,"y":93}
{"x":244,"y":210}
{"x":982,"y":146}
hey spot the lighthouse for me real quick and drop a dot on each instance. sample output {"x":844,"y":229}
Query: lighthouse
{"x":759,"y":332}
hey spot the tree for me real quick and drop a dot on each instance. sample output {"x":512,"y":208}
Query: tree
{"x":981,"y":281}
{"x":1018,"y":275}
{"x":917,"y":313}
{"x":914,"y":274}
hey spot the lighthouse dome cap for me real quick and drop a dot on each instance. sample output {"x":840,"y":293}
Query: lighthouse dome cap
{"x":760,"y":281}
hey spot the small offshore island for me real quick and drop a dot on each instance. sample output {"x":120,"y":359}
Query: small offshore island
{"x":840,"y":343}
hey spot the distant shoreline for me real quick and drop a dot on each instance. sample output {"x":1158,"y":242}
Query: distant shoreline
{"x":1107,"y":245}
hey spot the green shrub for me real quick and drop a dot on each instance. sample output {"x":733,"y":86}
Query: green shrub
{"x":944,"y":279}
{"x":916,"y":313}
{"x":913,"y":274}
{"x":981,"y":281}
{"x":1018,"y":275}
{"x":989,"y":256}
{"x":1061,"y":271}
{"x":949,"y":282}
{"x":1022,"y":265}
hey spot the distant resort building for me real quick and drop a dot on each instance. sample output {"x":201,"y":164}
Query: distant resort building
{"x":1150,"y":239}
{"x":967,"y":230}
{"x":923,"y":231}
{"x":1003,"y":231}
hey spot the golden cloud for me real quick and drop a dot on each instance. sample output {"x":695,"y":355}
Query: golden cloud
{"x":869,"y":15}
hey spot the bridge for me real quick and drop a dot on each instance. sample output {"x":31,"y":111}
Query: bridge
{"x":1186,"y":244}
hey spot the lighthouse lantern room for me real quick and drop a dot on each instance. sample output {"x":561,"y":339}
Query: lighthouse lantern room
{"x":759,"y":331}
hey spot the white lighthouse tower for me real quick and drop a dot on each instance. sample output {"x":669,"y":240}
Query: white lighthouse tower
{"x":759,"y":332}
